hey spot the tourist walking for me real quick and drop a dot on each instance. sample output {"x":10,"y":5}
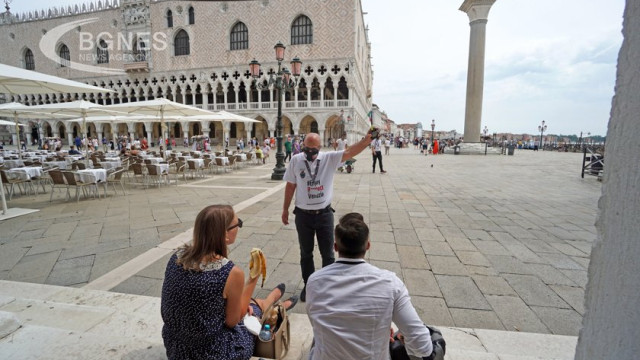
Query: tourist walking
{"x":376,"y":153}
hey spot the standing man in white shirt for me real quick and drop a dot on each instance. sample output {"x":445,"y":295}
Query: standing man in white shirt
{"x":352,"y":304}
{"x":376,"y":152}
{"x":309,"y":176}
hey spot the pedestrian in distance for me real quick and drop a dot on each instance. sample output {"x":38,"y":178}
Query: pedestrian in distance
{"x":376,"y":153}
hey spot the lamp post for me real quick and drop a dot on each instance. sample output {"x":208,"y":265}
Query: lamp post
{"x":542,"y":127}
{"x":281,"y":81}
{"x":433,"y":126}
{"x":485,"y":131}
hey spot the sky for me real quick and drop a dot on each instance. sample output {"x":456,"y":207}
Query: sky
{"x":551,"y":60}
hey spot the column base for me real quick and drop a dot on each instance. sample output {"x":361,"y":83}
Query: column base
{"x":472,"y":149}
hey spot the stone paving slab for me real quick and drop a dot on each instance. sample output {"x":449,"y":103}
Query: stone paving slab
{"x":523,"y":248}
{"x":56,"y":323}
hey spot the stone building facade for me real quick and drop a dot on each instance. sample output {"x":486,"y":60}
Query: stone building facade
{"x":198,"y":53}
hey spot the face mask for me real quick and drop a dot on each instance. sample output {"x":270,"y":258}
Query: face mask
{"x":310,"y":153}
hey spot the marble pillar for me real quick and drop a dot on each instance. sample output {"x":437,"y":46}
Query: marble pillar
{"x":478,"y":12}
{"x":610,"y":325}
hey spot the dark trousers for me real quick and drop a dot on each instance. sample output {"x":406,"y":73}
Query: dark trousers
{"x":287,"y":156}
{"x":377,"y":155}
{"x":309,"y":226}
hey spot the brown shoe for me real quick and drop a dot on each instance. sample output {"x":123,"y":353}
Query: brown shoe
{"x":382,"y":172}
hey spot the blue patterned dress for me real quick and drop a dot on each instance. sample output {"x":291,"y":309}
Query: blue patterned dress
{"x":193,"y":311}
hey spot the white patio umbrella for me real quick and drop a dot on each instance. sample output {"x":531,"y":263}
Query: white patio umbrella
{"x":17,"y":110}
{"x":161,"y":108}
{"x":16,"y":81}
{"x":80,"y":108}
{"x":231,"y":117}
{"x":9,"y":123}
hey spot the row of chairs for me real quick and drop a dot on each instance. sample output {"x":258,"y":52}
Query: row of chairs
{"x":67,"y":180}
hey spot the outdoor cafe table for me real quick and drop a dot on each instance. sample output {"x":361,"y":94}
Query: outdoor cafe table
{"x":155,"y":160}
{"x":112,"y":158}
{"x":26,"y":173}
{"x":93,"y":176}
{"x":38,"y":157}
{"x":162,"y":168}
{"x":71,"y":158}
{"x":107,"y":165}
{"x":13,"y":163}
{"x":225,"y":160}
{"x":62,"y":165}
{"x":199,"y":162}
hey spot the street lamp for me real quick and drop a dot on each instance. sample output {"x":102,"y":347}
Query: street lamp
{"x":281,"y":81}
{"x":433,"y":126}
{"x":485,"y":131}
{"x":542,"y":127}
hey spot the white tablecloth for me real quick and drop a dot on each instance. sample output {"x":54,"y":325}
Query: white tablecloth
{"x":112,"y":158}
{"x":13,"y":163}
{"x":155,"y":160}
{"x":62,"y":165}
{"x":71,"y":158}
{"x":225,"y":160}
{"x":25,"y":173}
{"x":110,"y":164}
{"x":199,"y":162}
{"x":36,"y":157}
{"x":162,"y":168}
{"x":243,"y":157}
{"x":91,"y":175}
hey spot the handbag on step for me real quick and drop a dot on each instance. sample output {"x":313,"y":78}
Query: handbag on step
{"x":278,"y":346}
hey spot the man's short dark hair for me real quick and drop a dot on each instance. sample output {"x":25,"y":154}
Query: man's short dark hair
{"x":352,"y":235}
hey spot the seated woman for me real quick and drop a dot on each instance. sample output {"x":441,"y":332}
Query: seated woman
{"x":205,"y":297}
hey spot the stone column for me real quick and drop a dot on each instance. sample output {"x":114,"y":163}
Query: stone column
{"x":610,"y":326}
{"x":149,"y":127}
{"x":478,"y":12}
{"x":322,"y":138}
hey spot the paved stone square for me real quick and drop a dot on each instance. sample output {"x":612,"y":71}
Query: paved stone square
{"x":493,"y":242}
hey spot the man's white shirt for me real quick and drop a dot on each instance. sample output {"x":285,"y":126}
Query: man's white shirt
{"x":314,"y":180}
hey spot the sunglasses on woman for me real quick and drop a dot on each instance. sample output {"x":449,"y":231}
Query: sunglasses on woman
{"x":238,"y":224}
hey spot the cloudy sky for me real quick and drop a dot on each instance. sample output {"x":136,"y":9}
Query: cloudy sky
{"x":552,"y":60}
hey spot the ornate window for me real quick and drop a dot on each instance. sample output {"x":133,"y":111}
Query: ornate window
{"x":182,"y":43}
{"x":239,"y":37}
{"x":139,"y":51}
{"x":29,"y":62}
{"x":302,"y":31}
{"x":102,"y":52}
{"x":192,"y":16}
{"x":169,"y":18}
{"x":65,"y":56}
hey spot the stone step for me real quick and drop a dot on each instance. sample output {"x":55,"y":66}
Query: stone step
{"x":64,"y":323}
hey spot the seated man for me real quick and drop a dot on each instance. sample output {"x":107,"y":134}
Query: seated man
{"x":351,"y":303}
{"x":73,"y":151}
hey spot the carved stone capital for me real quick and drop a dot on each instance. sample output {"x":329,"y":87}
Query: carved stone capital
{"x":477,"y":9}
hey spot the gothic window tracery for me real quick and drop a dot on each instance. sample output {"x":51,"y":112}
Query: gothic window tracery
{"x":302,"y":31}
{"x":181,"y":42}
{"x":29,"y":62}
{"x":239,"y":37}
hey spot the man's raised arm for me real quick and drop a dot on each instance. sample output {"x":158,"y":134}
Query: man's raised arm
{"x":357,"y":148}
